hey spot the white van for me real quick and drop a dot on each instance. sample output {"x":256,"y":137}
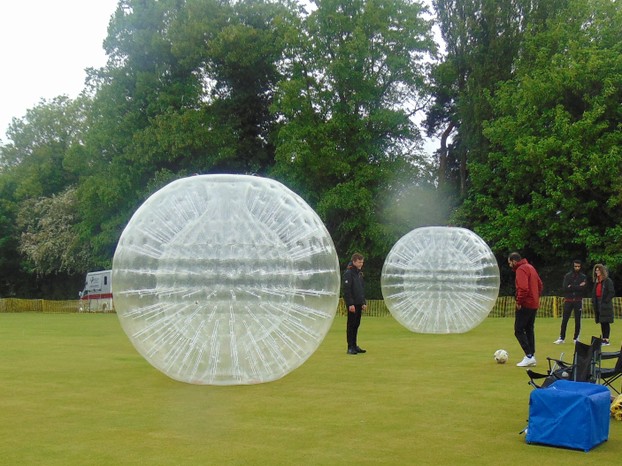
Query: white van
{"x":97,"y":293}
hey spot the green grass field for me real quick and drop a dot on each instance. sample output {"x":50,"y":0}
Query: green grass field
{"x":75,"y":392}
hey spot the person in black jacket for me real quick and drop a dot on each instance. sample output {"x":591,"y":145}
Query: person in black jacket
{"x":602,"y":300}
{"x":574,"y":286}
{"x":354,"y":297}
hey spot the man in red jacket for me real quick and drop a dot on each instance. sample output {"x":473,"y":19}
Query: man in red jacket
{"x":528,"y":291}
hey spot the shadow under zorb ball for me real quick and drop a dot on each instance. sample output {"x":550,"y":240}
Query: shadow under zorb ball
{"x":440,"y":280}
{"x":225,"y":280}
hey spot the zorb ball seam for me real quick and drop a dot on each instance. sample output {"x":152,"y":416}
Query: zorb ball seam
{"x":440,"y":280}
{"x":225,"y":280}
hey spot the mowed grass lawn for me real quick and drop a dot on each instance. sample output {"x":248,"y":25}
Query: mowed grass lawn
{"x":73,"y":391}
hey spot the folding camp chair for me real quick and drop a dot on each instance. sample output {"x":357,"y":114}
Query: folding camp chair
{"x":608,"y":375}
{"x":587,"y":361}
{"x":558,"y":370}
{"x":585,"y":366}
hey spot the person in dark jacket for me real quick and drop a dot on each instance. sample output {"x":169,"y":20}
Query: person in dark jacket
{"x":574,"y":286}
{"x":354,"y":297}
{"x":602,"y":300}
{"x":528,"y":291}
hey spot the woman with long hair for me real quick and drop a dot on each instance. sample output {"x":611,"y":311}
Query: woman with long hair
{"x":602,"y":299}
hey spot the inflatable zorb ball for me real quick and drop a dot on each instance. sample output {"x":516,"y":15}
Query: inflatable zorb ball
{"x":225,"y":280}
{"x":440,"y":280}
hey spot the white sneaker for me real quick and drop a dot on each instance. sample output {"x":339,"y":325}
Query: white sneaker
{"x":527,"y":362}
{"x":559,"y":341}
{"x":524,"y":362}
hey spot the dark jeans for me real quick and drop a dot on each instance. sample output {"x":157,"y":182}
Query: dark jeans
{"x":577,"y":307}
{"x":524,"y":330}
{"x":352,"y":327}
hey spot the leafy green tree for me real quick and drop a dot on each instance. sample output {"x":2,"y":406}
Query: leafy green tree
{"x":482,"y":39}
{"x":37,"y":144}
{"x":551,"y":182}
{"x":187,"y":89}
{"x":48,"y":239}
{"x":33,"y":170}
{"x":9,"y":257}
{"x":353,"y":69}
{"x":141,"y":81}
{"x":231,"y":50}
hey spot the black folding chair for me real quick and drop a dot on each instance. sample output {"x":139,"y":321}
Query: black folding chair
{"x":587,"y":361}
{"x":608,"y":375}
{"x":585,"y":366}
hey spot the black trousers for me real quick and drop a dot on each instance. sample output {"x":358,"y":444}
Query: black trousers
{"x":577,"y":307}
{"x":352,"y":327}
{"x":605,"y":327}
{"x":524,"y":330}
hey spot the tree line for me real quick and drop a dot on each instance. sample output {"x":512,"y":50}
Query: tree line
{"x":333,"y":98}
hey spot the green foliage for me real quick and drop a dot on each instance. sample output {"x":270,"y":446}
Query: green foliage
{"x":33,"y":173}
{"x":550,"y":183}
{"x":482,"y":40}
{"x":48,"y":238}
{"x":345,"y":134}
{"x":186,"y":90}
{"x":9,"y":240}
{"x":35,"y":154}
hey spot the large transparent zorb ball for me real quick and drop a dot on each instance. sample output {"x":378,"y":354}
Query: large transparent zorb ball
{"x":440,"y":280}
{"x":225,"y":280}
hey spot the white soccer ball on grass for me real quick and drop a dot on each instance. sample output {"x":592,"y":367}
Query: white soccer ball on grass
{"x":501,"y":356}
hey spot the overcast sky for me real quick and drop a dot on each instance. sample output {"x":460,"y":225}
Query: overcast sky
{"x":45,"y":46}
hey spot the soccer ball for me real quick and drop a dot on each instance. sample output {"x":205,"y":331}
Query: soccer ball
{"x":501,"y":356}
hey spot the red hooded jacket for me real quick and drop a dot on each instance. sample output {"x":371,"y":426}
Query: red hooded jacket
{"x":528,"y":285}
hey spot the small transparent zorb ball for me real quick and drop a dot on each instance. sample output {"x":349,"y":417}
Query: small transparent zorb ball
{"x":440,"y":280}
{"x":225,"y":280}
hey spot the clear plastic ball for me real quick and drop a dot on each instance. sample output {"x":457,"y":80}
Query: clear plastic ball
{"x":440,"y":280}
{"x":225,"y":280}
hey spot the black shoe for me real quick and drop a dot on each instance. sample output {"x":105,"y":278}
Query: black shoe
{"x":352,"y":351}
{"x":360,"y":350}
